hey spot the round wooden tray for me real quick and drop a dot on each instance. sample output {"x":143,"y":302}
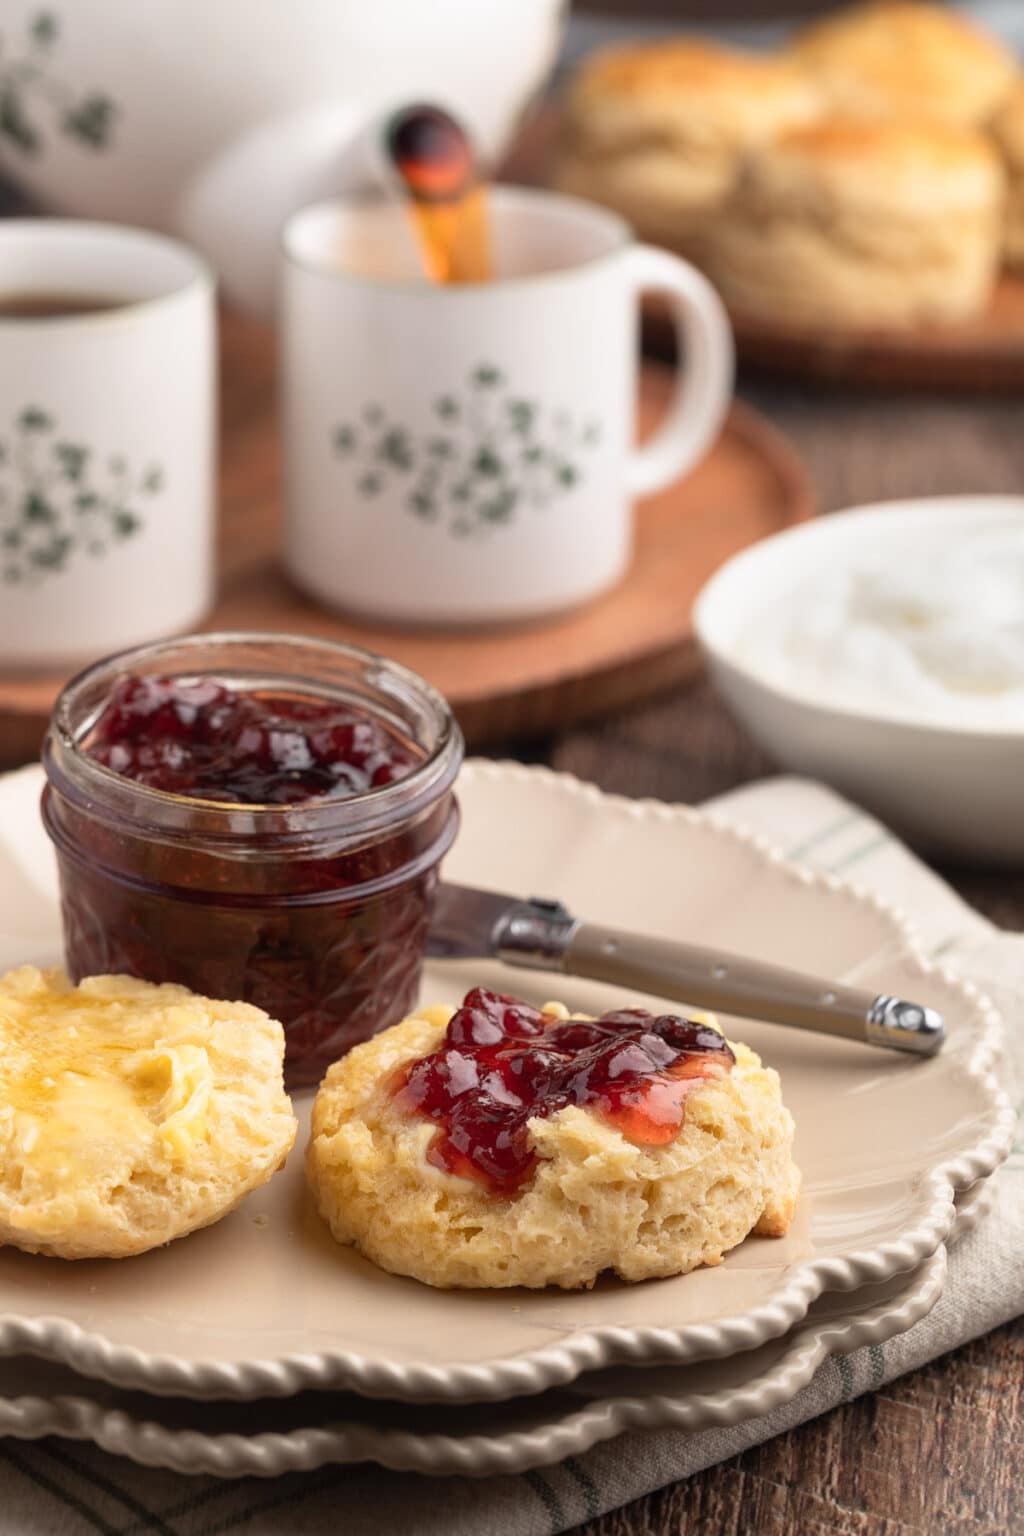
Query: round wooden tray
{"x":508,"y":682}
{"x":985,"y":354}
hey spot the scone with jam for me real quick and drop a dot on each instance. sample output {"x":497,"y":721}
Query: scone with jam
{"x":501,"y":1145}
{"x":131,"y":1114}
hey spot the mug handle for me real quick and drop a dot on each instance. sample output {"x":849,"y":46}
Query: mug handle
{"x":704,"y":384}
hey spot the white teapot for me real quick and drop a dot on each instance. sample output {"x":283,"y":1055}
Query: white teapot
{"x":216,"y":119}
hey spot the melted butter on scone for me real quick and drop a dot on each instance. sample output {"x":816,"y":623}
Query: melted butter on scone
{"x":123,"y":1103}
{"x":90,"y":1087}
{"x":182,"y":1075}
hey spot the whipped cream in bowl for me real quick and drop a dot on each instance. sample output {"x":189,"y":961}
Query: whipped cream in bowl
{"x":919,"y":632}
{"x":882,"y":649}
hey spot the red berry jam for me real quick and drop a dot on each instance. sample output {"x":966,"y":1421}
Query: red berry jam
{"x":195,"y":737}
{"x":271,"y":830}
{"x":504,"y":1063}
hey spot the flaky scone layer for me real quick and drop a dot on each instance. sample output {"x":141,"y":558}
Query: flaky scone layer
{"x":908,"y":58}
{"x":850,"y":224}
{"x":595,"y":1202}
{"x":656,"y":130}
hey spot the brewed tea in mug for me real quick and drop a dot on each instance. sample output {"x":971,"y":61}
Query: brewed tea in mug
{"x":52,"y":306}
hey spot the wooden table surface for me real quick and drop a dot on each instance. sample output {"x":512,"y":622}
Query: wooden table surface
{"x":939,"y":1450}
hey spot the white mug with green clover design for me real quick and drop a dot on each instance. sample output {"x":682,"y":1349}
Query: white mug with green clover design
{"x":466,"y":454}
{"x":107,"y":351}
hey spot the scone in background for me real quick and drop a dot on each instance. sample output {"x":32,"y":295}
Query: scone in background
{"x":858,"y":179}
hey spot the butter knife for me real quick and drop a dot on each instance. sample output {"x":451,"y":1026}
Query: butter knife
{"x":543,"y":935}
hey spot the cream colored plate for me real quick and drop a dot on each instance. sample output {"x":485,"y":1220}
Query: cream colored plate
{"x":265,"y":1304}
{"x":310,"y":1430}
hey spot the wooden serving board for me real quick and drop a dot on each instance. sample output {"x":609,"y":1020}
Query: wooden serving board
{"x":503,"y":683}
{"x":983,"y":354}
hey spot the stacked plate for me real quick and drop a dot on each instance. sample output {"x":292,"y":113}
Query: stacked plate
{"x":259,"y":1346}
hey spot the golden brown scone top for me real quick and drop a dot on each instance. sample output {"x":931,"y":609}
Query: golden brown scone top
{"x":946,"y":165}
{"x":684,"y":63}
{"x":888,"y":140}
{"x":678,"y":80}
{"x":907,"y":56}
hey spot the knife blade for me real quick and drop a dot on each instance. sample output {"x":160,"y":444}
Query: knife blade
{"x":540,"y":934}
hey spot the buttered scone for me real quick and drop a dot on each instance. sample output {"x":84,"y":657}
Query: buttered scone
{"x":907,"y":58}
{"x":655,"y":130}
{"x":1008,"y":130}
{"x":130,"y":1114}
{"x":498,"y":1146}
{"x":850,"y":223}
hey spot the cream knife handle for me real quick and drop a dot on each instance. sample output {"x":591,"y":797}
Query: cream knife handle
{"x":706,"y":978}
{"x":543,"y":935}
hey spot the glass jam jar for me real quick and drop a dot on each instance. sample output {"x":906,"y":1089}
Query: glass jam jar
{"x":316,"y":911}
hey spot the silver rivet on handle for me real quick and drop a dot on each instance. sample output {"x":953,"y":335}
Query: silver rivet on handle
{"x":905,"y":1026}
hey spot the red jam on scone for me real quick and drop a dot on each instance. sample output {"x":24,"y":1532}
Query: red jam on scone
{"x":503,"y":1063}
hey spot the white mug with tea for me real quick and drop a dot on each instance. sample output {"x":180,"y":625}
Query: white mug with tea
{"x":465,"y":453}
{"x":107,"y":351}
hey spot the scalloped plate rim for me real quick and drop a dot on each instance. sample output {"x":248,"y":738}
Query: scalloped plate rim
{"x":533,"y":1371}
{"x":272,"y":1453}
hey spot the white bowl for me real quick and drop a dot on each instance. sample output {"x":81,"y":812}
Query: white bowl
{"x":952,"y":787}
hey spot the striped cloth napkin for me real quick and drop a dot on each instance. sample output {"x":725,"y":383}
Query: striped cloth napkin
{"x":55,"y":1488}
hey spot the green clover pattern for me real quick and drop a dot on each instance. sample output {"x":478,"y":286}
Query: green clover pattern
{"x":35,"y":99}
{"x":490,"y":453}
{"x":59,"y":499}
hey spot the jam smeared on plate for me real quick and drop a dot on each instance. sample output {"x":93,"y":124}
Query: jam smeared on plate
{"x":195,"y":737}
{"x":503,"y":1063}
